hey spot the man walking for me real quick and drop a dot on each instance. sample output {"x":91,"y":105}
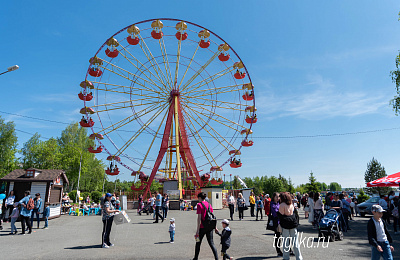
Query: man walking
{"x":25,"y":213}
{"x":158,"y":206}
{"x":252,"y":202}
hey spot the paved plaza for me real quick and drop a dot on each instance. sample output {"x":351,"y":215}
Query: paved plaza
{"x":72,"y":237}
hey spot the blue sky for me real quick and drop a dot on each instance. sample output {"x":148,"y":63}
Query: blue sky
{"x":318,"y":68}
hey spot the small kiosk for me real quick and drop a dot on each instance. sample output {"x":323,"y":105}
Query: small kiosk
{"x":49,"y":183}
{"x":214,"y":195}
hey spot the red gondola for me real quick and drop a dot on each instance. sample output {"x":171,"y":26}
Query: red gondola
{"x":248,"y":97}
{"x":113,"y":157}
{"x":184,"y":36}
{"x":95,"y":72}
{"x":115,"y":172}
{"x":223,"y":57}
{"x":84,"y":123}
{"x":204,"y":44}
{"x":98,"y":150}
{"x":251,"y":120}
{"x":216,"y":182}
{"x":239,"y":75}
{"x":247,"y":143}
{"x":156,"y":35}
{"x":234,"y":165}
{"x":86,"y":97}
{"x":112,"y":54}
{"x":134,"y":41}
{"x":94,"y":136}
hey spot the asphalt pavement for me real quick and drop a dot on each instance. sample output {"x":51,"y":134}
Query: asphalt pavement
{"x":79,"y":237}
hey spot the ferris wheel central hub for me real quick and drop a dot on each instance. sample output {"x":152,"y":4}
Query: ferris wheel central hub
{"x":175,"y":93}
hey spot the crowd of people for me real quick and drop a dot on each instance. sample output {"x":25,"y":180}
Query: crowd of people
{"x":26,"y":209}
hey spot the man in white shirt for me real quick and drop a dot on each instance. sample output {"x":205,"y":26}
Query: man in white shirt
{"x":231,"y":204}
{"x":152,"y":199}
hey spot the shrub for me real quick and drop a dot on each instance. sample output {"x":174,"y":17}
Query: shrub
{"x":95,"y":196}
{"x":85,"y":194}
{"x":362,"y":197}
{"x":72,"y":195}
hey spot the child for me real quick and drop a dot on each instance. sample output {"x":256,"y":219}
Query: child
{"x":46,"y":214}
{"x":259,"y":205}
{"x":14,"y":216}
{"x":225,"y":238}
{"x":378,"y":235}
{"x":172,"y":230}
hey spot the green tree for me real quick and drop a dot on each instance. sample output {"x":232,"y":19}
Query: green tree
{"x":8,"y":147}
{"x":41,"y":154}
{"x":395,"y":74}
{"x":375,"y":171}
{"x":312,"y":185}
{"x":290,"y":188}
{"x":273,"y":184}
{"x":236,"y":183}
{"x":334,"y":186}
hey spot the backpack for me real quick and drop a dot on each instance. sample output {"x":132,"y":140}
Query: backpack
{"x":210,"y":221}
{"x":30,"y":205}
{"x":395,"y":212}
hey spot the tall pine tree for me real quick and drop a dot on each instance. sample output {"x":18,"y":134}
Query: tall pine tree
{"x":375,"y":171}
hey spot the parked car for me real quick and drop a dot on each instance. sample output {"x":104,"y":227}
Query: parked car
{"x":365,"y":207}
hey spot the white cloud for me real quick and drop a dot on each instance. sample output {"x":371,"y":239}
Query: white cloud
{"x":320,"y":101}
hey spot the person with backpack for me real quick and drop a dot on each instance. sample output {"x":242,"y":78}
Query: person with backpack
{"x":289,"y":223}
{"x":27,"y":206}
{"x":36,"y":209}
{"x":206,"y":223}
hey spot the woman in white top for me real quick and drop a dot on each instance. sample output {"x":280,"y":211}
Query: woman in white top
{"x":9,"y":205}
{"x":231,"y":204}
{"x":311,"y":207}
{"x":318,"y":206}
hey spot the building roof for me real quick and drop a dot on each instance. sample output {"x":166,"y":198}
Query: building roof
{"x":45,"y":175}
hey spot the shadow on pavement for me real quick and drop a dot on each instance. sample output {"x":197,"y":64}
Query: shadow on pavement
{"x":159,"y":243}
{"x":256,"y":257}
{"x":84,"y":247}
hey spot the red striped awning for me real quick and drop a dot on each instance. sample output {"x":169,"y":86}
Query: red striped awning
{"x":387,"y":181}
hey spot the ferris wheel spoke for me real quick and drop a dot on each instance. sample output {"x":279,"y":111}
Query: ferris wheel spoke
{"x":220,"y":92}
{"x":212,"y":118}
{"x":156,"y":77}
{"x":128,"y":93}
{"x":130,"y":106}
{"x":150,"y":60}
{"x":141,"y":129}
{"x":129,"y":73}
{"x":219,"y":101}
{"x":152,"y":142}
{"x":134,"y":81}
{"x":194,"y":133}
{"x":218,"y":106}
{"x":123,"y":102}
{"x":178,"y":57}
{"x":198,"y":72}
{"x":166,"y":62}
{"x":190,"y":63}
{"x":205,"y":122}
{"x":210,"y":79}
{"x":135,"y":116}
{"x":215,"y":89}
{"x":122,"y":86}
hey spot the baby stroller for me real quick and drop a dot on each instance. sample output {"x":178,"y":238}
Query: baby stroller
{"x":329,"y":226}
{"x":146,"y":209}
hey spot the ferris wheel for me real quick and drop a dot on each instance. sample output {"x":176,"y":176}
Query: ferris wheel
{"x":168,"y":97}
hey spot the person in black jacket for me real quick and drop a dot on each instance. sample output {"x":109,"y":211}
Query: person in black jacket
{"x":378,"y":236}
{"x":225,"y":238}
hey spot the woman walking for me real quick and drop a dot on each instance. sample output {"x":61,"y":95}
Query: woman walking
{"x":240,"y":202}
{"x":275,"y":221}
{"x":318,"y":213}
{"x":140,"y":204}
{"x":288,"y":222}
{"x":202,"y":208}
{"x":108,"y":217}
{"x":231,"y":204}
{"x":9,"y":205}
{"x":310,"y":202}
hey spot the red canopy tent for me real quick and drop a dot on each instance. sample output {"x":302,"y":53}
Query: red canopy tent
{"x":387,"y":181}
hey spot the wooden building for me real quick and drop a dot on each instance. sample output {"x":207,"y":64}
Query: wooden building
{"x":49,"y":183}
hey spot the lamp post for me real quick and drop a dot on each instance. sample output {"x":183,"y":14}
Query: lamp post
{"x":9,"y":69}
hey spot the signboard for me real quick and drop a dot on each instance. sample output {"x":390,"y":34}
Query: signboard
{"x":173,"y":194}
{"x":121,"y":218}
